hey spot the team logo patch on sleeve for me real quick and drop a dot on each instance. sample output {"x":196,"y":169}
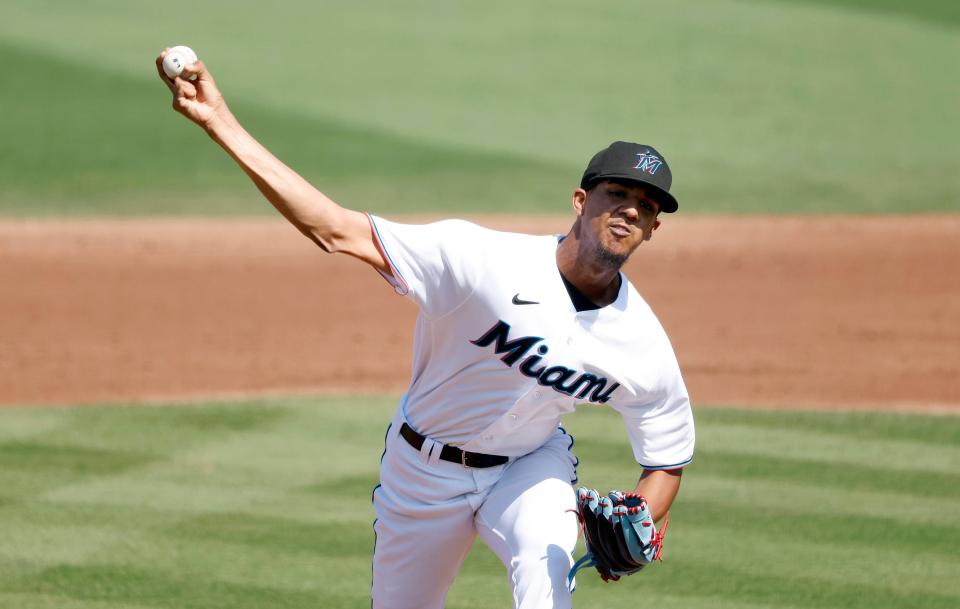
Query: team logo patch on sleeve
{"x":562,"y":379}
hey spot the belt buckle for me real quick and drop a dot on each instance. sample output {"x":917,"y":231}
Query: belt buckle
{"x":463,"y":460}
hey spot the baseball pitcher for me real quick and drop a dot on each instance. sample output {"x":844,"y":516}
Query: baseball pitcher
{"x":513,"y":332}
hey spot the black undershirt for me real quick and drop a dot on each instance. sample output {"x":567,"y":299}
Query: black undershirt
{"x":580,"y":302}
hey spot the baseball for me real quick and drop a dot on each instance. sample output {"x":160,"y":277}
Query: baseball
{"x":176,"y":59}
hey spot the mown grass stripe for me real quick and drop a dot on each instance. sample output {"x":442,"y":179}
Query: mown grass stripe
{"x":299,"y":568}
{"x":931,"y":429}
{"x":51,"y":601}
{"x":196,"y":495}
{"x":893,"y":533}
{"x":907,"y":454}
{"x":33,"y":468}
{"x":944,"y":13}
{"x":666,"y":600}
{"x":830,"y":476}
{"x":321,"y":539}
{"x":812,"y":499}
{"x":120,"y":584}
{"x":48,"y":457}
{"x":748,"y":583}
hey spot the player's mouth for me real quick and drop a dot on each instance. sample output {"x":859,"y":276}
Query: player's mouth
{"x":620,"y":230}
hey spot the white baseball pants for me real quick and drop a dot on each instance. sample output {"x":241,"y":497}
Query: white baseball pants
{"x":429,"y":513}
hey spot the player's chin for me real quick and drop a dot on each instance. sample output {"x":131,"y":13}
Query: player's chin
{"x":613,"y":257}
{"x":622,"y":244}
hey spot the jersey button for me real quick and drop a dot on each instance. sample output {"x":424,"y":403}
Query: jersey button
{"x":513,"y":417}
{"x":569,"y":340}
{"x":487,"y":438}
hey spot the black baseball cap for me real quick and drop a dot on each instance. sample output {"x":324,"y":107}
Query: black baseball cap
{"x":634,"y":162}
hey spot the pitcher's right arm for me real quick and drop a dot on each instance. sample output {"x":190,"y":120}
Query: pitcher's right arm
{"x":332,"y":227}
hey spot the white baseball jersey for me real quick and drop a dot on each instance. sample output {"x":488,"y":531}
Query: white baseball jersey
{"x":500,"y":352}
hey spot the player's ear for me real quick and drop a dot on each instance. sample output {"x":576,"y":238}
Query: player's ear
{"x":579,"y":198}
{"x":656,"y":225}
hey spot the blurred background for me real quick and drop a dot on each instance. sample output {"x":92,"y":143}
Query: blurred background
{"x":808,"y":283}
{"x":426,"y":106}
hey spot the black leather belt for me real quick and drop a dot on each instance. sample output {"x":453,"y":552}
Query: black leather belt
{"x":452,"y":453}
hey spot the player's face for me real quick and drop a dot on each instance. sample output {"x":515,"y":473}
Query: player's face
{"x":616,"y":217}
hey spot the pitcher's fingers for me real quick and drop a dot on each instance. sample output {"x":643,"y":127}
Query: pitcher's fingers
{"x":198,"y":69}
{"x":185,"y":88}
{"x":163,"y":75}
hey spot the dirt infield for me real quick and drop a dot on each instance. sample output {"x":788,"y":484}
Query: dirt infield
{"x":804,"y":311}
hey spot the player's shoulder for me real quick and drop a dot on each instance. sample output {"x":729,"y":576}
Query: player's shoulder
{"x":458,"y":239}
{"x":642,"y":317}
{"x":466,"y":232}
{"x":636,"y":304}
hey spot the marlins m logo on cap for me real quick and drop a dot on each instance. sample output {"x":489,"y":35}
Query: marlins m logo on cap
{"x":649,"y":162}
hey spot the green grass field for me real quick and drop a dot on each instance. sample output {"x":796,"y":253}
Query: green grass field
{"x":267,"y":504}
{"x":760,"y":105}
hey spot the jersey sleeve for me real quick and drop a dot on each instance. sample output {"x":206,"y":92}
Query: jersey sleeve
{"x":437,"y":265}
{"x":660,"y":427}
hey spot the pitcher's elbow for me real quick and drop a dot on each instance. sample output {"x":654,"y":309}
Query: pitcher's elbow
{"x":328,"y":240}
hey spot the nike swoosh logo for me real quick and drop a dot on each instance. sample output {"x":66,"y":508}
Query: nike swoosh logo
{"x":516,"y":300}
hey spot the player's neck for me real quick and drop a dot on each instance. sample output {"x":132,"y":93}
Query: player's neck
{"x":595,"y":279}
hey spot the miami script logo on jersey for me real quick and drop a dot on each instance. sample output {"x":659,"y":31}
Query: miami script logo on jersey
{"x":562,"y":379}
{"x":649,"y":162}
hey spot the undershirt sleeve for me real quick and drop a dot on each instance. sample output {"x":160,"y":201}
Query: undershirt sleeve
{"x":436,"y":265}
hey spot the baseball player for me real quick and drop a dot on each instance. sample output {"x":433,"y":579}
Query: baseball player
{"x":513,"y":331}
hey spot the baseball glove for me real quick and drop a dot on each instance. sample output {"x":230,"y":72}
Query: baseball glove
{"x":619,"y":532}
